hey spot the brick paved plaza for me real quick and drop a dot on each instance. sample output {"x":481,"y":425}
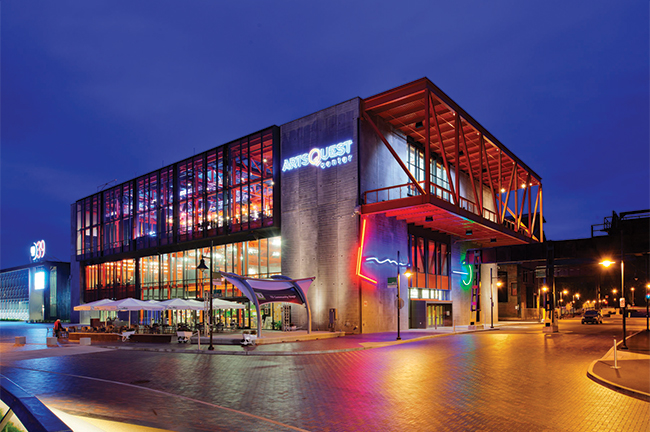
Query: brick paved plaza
{"x":511,"y":379}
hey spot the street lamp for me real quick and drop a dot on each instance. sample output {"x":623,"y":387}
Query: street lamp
{"x":499,"y":283}
{"x":545,"y":290}
{"x":575,"y":296}
{"x":203,"y":268}
{"x":647,"y":310}
{"x":607,"y":263}
{"x":407,"y":273}
{"x":633,"y":302}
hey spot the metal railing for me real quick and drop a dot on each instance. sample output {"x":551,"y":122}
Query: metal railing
{"x":409,"y":190}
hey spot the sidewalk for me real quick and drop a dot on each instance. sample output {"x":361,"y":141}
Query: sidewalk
{"x":276,"y":343}
{"x":632,"y":377}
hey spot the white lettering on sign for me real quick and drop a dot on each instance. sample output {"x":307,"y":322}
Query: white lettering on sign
{"x":336,"y":154}
{"x":37,"y":251}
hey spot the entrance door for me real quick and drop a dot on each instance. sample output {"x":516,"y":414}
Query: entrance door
{"x":438,"y":315}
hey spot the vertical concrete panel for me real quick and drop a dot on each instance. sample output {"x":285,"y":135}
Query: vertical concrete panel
{"x":384,"y":237}
{"x":318,"y":238}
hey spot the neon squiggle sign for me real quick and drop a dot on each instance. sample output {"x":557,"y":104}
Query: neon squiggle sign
{"x":387,"y":260}
{"x":336,"y":154}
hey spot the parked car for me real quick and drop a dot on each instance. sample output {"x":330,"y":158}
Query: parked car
{"x":592,"y":316}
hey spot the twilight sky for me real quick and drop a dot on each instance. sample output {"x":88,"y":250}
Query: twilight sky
{"x":97,"y":91}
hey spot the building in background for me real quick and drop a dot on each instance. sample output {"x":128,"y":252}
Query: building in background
{"x":570,"y":270}
{"x":39,"y":291}
{"x":353,"y":195}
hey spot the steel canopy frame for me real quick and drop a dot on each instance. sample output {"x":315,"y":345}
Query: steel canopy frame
{"x":247,"y":286}
{"x":425,"y":113}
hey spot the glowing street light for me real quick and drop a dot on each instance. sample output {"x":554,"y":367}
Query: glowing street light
{"x":399,"y":298}
{"x":608,"y":263}
{"x":499,"y":283}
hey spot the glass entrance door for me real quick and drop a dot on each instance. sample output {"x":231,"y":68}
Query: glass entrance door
{"x":438,"y":315}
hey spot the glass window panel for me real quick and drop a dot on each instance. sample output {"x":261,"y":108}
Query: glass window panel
{"x":253,"y":253}
{"x":431,"y":268}
{"x":275,"y":255}
{"x":267,"y":201}
{"x":444,"y":265}
{"x":264,"y":257}
{"x":420,"y":262}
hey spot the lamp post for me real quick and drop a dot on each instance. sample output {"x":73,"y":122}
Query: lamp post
{"x":647,"y":310}
{"x":633,"y":302}
{"x":399,"y":298}
{"x":203,"y":268}
{"x":575,"y":296}
{"x":607,"y":263}
{"x":545,"y":290}
{"x":499,"y":283}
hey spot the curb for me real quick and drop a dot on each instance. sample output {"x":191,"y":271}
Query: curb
{"x":637,"y":394}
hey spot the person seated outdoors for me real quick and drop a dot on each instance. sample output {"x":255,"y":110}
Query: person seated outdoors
{"x":155,"y":328}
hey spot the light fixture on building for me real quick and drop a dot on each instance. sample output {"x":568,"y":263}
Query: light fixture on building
{"x":429,"y":218}
{"x":418,"y":125}
{"x":468,"y":232}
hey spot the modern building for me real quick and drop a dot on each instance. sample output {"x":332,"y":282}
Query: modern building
{"x":39,"y":291}
{"x":353,"y":195}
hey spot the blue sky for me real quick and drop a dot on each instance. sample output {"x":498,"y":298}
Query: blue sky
{"x":107,"y":90}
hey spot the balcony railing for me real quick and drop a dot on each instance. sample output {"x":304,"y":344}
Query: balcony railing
{"x":409,"y":189}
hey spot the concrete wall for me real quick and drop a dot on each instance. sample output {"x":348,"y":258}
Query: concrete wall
{"x":384,"y":237}
{"x":378,"y":166}
{"x":319,"y":229}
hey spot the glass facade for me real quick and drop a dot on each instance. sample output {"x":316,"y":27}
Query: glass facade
{"x":225,"y":190}
{"x":14,"y":288}
{"x":175,"y":274}
{"x":430,"y":267}
{"x":439,"y":180}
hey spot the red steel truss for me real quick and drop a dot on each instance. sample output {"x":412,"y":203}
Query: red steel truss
{"x":423,"y":112}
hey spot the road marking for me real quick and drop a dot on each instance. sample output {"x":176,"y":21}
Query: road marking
{"x":169,"y":394}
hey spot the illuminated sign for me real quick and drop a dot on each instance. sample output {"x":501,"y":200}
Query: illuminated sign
{"x":39,"y":280}
{"x":389,"y":261}
{"x":336,"y":154}
{"x":37,"y":251}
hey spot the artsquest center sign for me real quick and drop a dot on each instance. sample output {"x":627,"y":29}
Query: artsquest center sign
{"x":336,"y":154}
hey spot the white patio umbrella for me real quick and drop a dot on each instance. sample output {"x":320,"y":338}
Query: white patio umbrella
{"x":130,"y":304}
{"x":224,"y":304}
{"x":181,"y":304}
{"x":93,"y":305}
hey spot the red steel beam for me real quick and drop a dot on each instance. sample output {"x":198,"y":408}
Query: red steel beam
{"x":444,"y":156}
{"x":395,"y":155}
{"x":471,"y":170}
{"x":427,"y":146}
{"x":489,"y":172}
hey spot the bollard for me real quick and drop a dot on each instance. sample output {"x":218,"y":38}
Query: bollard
{"x":85,"y":341}
{"x":21,"y":340}
{"x":615,"y":357}
{"x":52,"y":342}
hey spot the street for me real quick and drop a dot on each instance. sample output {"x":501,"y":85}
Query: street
{"x":514,"y":378}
